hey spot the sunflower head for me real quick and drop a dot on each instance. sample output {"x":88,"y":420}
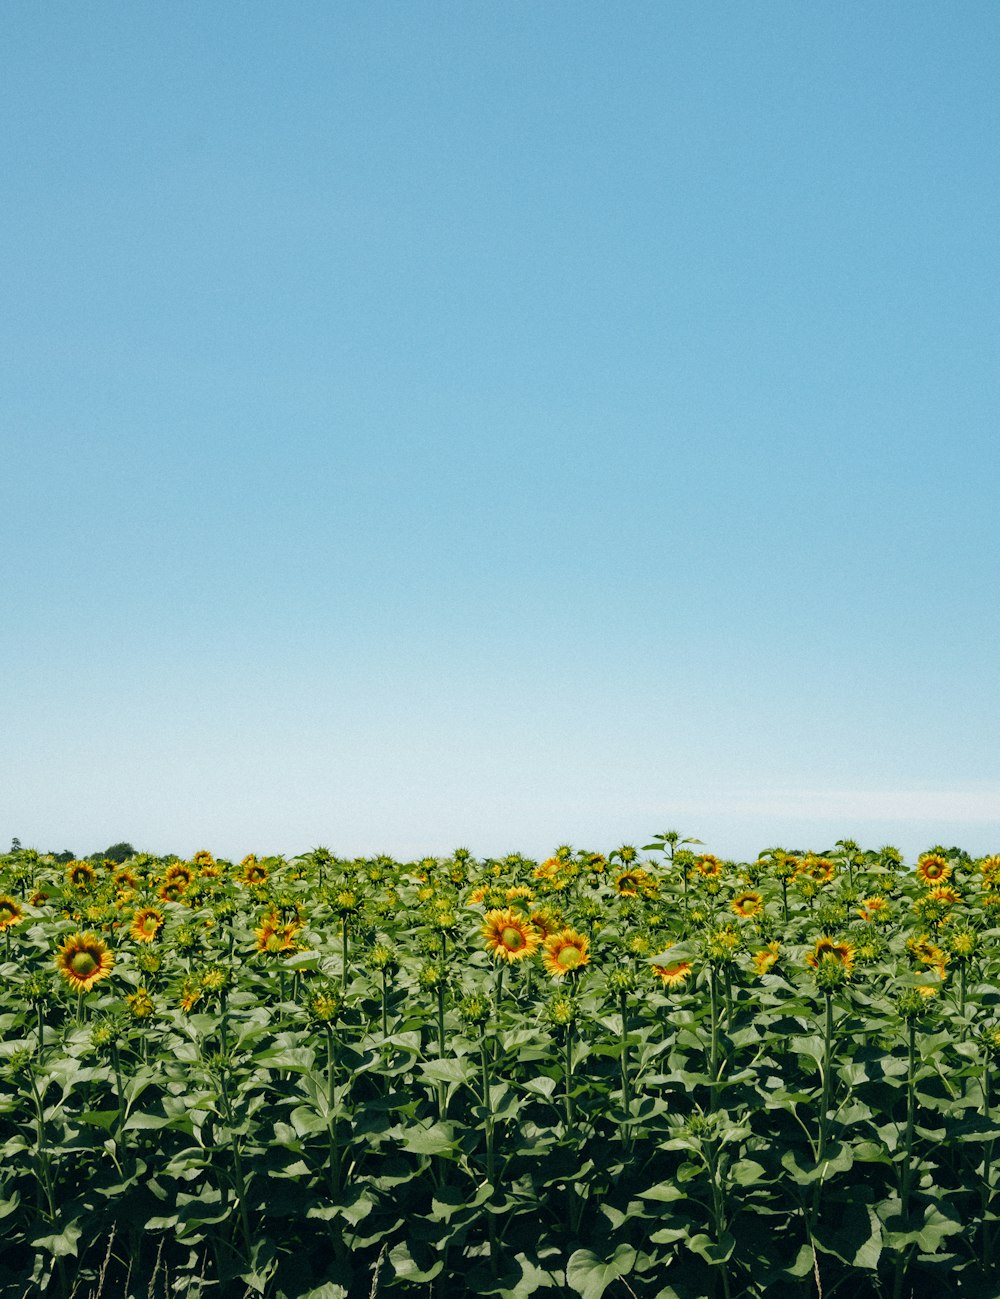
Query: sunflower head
{"x":146,"y":925}
{"x":83,"y":960}
{"x":10,"y":912}
{"x":140,"y":1004}
{"x":561,"y":1011}
{"x":932,"y":869}
{"x":833,"y":963}
{"x":565,"y":953}
{"x":475,"y":1010}
{"x":747,"y":905}
{"x":675,"y":975}
{"x":509,"y":935}
{"x":80,"y":874}
{"x":766,"y":957}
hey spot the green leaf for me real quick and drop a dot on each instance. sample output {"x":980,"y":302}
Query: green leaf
{"x":710,"y":1250}
{"x":438,"y":1139}
{"x":447,"y":1071}
{"x":61,"y":1243}
{"x":590,"y":1276}
{"x":410,"y":1269}
{"x":747,"y":1172}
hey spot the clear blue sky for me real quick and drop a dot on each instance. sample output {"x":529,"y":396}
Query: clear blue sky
{"x":499,"y":424}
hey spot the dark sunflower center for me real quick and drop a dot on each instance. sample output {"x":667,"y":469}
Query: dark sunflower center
{"x":83,"y":963}
{"x":512,"y":938}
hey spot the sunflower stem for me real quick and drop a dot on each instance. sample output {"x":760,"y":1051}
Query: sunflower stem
{"x":713,"y":1058}
{"x":442,"y":1093}
{"x":824,"y":1108}
{"x":484,"y":1065}
{"x":343,"y":976}
{"x":906,"y":1172}
{"x":239,"y":1178}
{"x":624,"y":1062}
{"x":331,"y":1119}
{"x":987,"y":1189}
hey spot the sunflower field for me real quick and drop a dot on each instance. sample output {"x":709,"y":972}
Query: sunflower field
{"x":651,"y":1074}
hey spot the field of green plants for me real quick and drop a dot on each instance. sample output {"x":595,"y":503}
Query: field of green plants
{"x":651,"y":1073}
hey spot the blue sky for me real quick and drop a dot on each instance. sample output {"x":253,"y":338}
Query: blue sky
{"x":502,"y":425}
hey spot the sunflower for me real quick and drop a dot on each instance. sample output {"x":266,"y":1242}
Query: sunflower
{"x":766,"y":957}
{"x":203,"y":858}
{"x":932,"y":869}
{"x":180,"y":873}
{"x":747,"y":904}
{"x":873,"y":908}
{"x":547,"y":868}
{"x":546,"y":922}
{"x":708,"y":866}
{"x":673,"y":976}
{"x":80,"y":874}
{"x":565,"y":953}
{"x":140,"y":1004}
{"x":946,"y":894}
{"x":253,"y":873}
{"x":520,"y":893}
{"x":10,"y":913}
{"x":476,"y":896}
{"x":191,"y":994}
{"x":842,"y":953}
{"x":82,"y":960}
{"x":509,"y":935}
{"x":171,"y":891}
{"x":274,"y":936}
{"x":924,"y":952}
{"x":820,"y":869}
{"x":632,"y":883}
{"x":146,"y":924}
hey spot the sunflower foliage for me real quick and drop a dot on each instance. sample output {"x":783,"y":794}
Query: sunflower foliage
{"x":644,"y":1072}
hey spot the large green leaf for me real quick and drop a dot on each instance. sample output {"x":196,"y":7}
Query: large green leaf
{"x":589,"y":1275}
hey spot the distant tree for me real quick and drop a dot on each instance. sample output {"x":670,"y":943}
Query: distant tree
{"x":117,"y":852}
{"x":15,"y":844}
{"x":66,"y":855}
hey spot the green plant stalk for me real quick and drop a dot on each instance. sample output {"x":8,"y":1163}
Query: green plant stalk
{"x":484,"y":1066}
{"x":385,"y":1003}
{"x":719,"y":1221}
{"x":343,"y":976}
{"x":623,"y":1061}
{"x":822,"y":1138}
{"x":824,"y":1110}
{"x":442,"y":1092}
{"x":906,"y":1173}
{"x":44,"y":1179}
{"x":568,"y":1076}
{"x":987,"y":1188}
{"x":239,"y":1178}
{"x":116,"y":1065}
{"x":333,"y":1161}
{"x":713,"y":1057}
